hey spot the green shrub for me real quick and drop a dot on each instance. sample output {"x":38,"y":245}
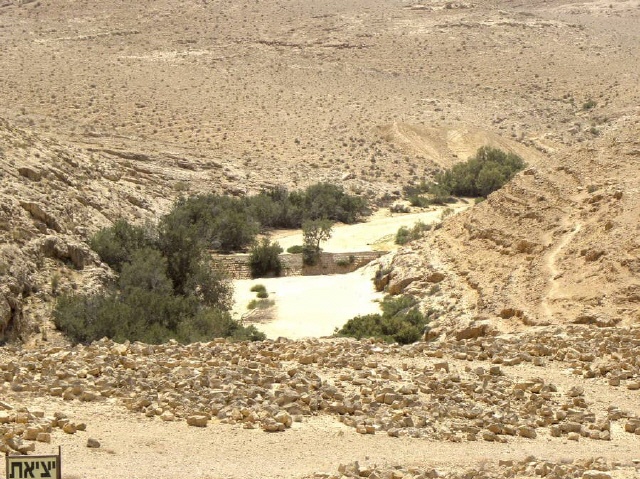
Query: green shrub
{"x":342,"y":262}
{"x":258,"y":288}
{"x":274,"y":208}
{"x":279,"y":208}
{"x":262,"y":303}
{"x":231,"y":224}
{"x":419,"y":201}
{"x":481,"y":175}
{"x":487,"y":171}
{"x":405,"y":235}
{"x":437,"y":194}
{"x":116,"y":243}
{"x":262,"y":294}
{"x":589,"y":104}
{"x":219,"y":222}
{"x":141,"y":315}
{"x":329,"y":201}
{"x":264,"y":259}
{"x":402,"y":236}
{"x":296,"y":249}
{"x":401,"y":321}
{"x":310,"y":256}
{"x":166,"y":289}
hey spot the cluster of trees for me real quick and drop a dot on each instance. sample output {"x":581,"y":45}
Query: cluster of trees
{"x":401,"y":321}
{"x":166,"y":287}
{"x":231,"y":224}
{"x":487,"y":171}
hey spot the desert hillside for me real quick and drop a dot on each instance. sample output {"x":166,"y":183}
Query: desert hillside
{"x":558,"y":245}
{"x":114,"y":109}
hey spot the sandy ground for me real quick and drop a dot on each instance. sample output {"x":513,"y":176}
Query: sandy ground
{"x":377,"y":233}
{"x":311,"y":306}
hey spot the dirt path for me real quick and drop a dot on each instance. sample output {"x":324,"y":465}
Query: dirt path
{"x":148,"y":448}
{"x":554,"y":272}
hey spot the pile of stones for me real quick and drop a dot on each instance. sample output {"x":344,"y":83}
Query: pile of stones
{"x":21,"y":428}
{"x":530,"y":467}
{"x":370,"y":386}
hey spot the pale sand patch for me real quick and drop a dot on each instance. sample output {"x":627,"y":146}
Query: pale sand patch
{"x":377,"y":233}
{"x":311,"y":306}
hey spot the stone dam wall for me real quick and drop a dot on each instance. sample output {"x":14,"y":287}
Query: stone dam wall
{"x":236,"y":266}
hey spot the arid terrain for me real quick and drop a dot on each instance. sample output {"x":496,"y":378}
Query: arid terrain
{"x":114,"y":109}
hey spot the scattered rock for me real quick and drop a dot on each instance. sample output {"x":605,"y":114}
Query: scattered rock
{"x":197,"y":421}
{"x":93,"y":443}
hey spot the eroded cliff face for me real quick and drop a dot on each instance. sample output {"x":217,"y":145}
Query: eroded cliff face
{"x":53,"y":196}
{"x":559,"y":244}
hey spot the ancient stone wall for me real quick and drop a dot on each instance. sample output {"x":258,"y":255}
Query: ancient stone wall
{"x":237,"y":266}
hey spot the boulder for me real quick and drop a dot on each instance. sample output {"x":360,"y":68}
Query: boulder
{"x":594,"y":474}
{"x":474,"y":330}
{"x":93,"y":443}
{"x":528,"y":432}
{"x":435,"y":277}
{"x":197,"y":421}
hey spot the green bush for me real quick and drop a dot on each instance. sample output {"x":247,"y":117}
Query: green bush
{"x":296,"y":249}
{"x":482,"y":174}
{"x":342,"y":262}
{"x":401,"y":321}
{"x":231,"y":224}
{"x":329,"y":201}
{"x":166,"y":289}
{"x":405,"y":235}
{"x":310,"y":256}
{"x":116,"y":243}
{"x":264,"y":259}
{"x":437,"y":194}
{"x":277,"y":208}
{"x":142,"y":315}
{"x":262,"y":303}
{"x":258,"y":288}
{"x":219,"y":222}
{"x":402,"y":236}
{"x":262,"y":294}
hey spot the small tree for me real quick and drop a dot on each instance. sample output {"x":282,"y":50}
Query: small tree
{"x":313,"y":233}
{"x":265,"y":259}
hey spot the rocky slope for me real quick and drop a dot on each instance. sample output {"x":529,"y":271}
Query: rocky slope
{"x":54,"y":196}
{"x":558,"y":245}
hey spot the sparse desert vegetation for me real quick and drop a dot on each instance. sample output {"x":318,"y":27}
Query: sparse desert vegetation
{"x":145,"y":144}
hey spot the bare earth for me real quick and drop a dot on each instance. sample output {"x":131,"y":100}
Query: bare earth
{"x":136,"y":446}
{"x":311,"y":306}
{"x":376,"y":233}
{"x":114,"y":109}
